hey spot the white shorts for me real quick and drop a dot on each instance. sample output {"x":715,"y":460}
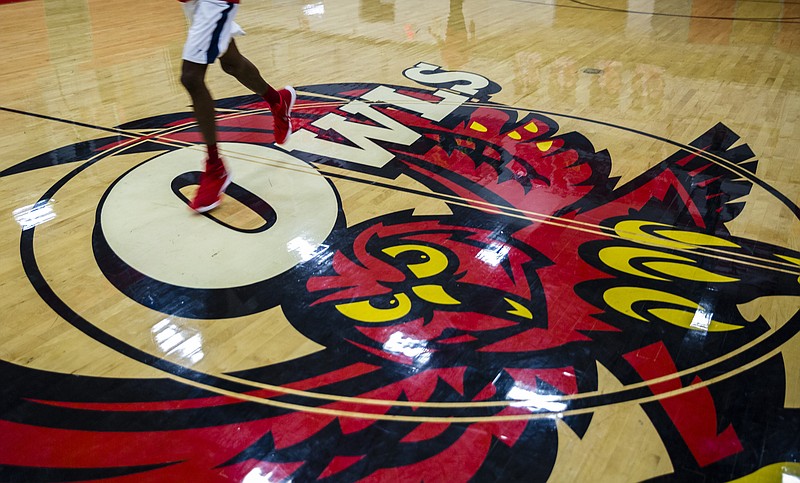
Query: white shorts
{"x":211,"y":29}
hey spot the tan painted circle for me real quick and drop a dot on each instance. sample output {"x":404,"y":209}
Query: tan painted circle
{"x":152,"y":230}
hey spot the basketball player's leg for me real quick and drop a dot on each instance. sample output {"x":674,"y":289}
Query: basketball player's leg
{"x":209,"y":35}
{"x":280,"y":101}
{"x":237,"y":65}
{"x":193,"y":79}
{"x":215,"y":178}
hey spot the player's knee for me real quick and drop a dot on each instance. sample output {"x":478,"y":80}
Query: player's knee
{"x":191,"y":81}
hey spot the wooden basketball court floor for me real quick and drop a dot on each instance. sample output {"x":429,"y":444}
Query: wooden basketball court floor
{"x":551,"y":240}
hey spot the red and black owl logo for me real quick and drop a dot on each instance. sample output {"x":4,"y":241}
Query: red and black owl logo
{"x":466,"y":345}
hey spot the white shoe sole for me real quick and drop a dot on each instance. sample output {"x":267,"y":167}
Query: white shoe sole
{"x":289,"y":113}
{"x":206,"y":209}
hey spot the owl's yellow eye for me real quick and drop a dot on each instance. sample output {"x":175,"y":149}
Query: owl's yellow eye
{"x":393,"y":308}
{"x":432,"y":261}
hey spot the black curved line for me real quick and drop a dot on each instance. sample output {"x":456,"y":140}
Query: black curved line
{"x":582,"y":6}
{"x":48,"y":295}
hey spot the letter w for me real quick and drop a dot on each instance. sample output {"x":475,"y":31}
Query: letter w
{"x":365,"y":151}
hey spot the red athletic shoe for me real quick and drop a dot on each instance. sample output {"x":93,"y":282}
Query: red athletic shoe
{"x":282,"y":114}
{"x":213,"y":182}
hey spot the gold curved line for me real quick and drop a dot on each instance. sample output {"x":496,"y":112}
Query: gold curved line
{"x":466,"y":203}
{"x":469,"y":419}
{"x":508,"y":402}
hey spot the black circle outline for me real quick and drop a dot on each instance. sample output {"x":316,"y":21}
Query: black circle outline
{"x":630,"y":394}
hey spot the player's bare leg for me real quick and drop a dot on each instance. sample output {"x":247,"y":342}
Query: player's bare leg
{"x":280,"y":102}
{"x":193,"y":78}
{"x":215,"y":177}
{"x":237,"y":65}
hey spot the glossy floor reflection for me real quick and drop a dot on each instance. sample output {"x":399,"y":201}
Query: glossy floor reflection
{"x":514,"y":241}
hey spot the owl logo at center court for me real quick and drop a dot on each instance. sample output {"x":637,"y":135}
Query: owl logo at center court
{"x":481,"y":299}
